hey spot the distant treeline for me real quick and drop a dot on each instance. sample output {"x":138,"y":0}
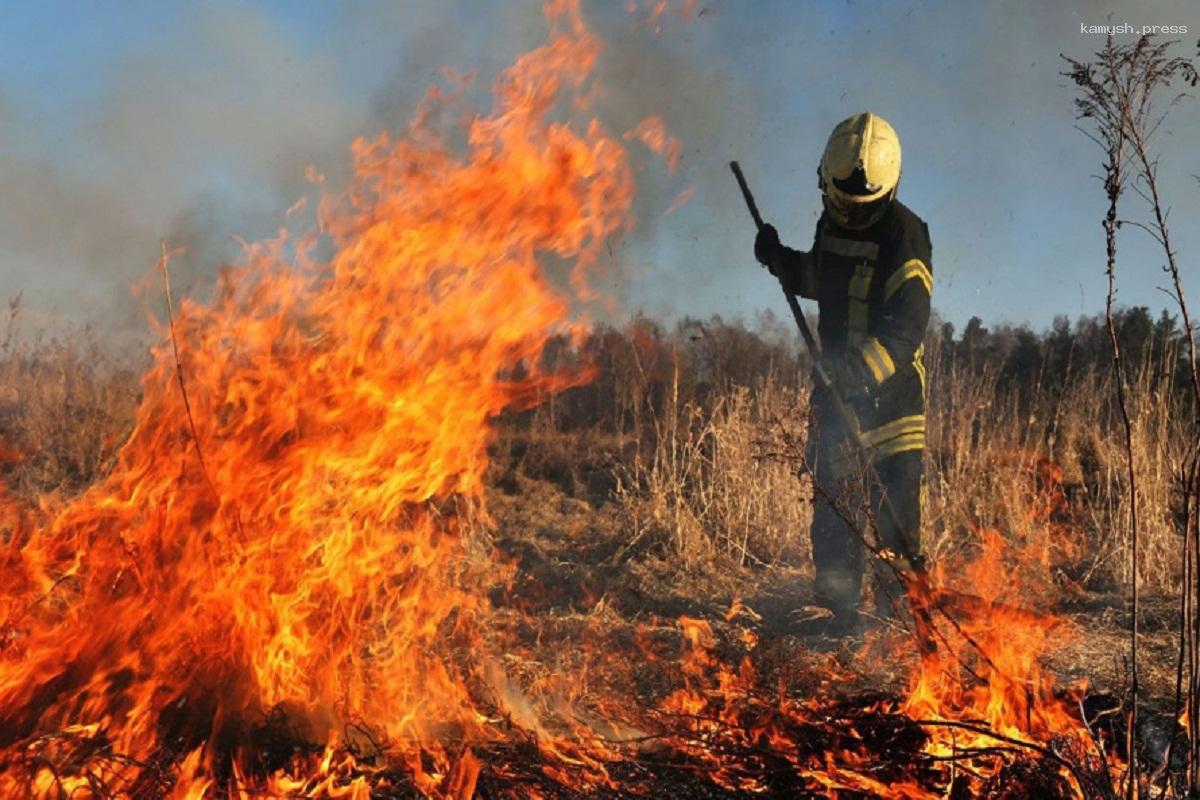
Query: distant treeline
{"x":644,"y":362}
{"x":1029,"y":361}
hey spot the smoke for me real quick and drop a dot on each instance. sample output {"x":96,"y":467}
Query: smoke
{"x":203,"y":133}
{"x":680,"y":74}
{"x":676,"y":70}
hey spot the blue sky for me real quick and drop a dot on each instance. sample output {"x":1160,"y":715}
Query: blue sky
{"x":122,"y":123}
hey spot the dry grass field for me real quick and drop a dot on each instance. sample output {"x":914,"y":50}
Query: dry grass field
{"x":675,"y":476}
{"x":671,"y":487}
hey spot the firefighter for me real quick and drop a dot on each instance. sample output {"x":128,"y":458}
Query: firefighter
{"x":869,"y":271}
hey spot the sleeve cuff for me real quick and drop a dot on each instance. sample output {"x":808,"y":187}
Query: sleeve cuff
{"x":878,"y":360}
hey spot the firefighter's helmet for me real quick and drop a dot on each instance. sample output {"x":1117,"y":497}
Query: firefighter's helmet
{"x":860,"y":170}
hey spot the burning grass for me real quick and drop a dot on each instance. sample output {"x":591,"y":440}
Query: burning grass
{"x":597,"y":668}
{"x":278,"y":535}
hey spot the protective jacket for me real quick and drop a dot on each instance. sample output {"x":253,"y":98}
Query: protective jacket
{"x":873,"y":289}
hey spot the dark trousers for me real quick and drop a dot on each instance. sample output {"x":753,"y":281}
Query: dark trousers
{"x":850,"y":490}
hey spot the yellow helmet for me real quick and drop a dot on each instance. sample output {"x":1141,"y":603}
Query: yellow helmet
{"x":860,"y":170}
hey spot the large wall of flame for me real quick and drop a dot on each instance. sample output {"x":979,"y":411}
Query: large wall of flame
{"x":286,"y":534}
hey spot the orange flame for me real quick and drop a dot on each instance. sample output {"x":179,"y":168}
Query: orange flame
{"x":985,"y":680}
{"x":342,"y":410}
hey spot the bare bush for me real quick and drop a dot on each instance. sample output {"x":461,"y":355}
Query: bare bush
{"x":66,"y":407}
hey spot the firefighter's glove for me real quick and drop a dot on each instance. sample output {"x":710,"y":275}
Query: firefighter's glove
{"x":851,"y":378}
{"x":767,"y":248}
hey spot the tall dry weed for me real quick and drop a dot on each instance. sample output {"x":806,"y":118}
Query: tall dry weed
{"x":711,"y":486}
{"x":1051,"y":463}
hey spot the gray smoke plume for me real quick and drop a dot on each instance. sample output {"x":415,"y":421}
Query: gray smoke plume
{"x":203,"y":132}
{"x":202,"y":135}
